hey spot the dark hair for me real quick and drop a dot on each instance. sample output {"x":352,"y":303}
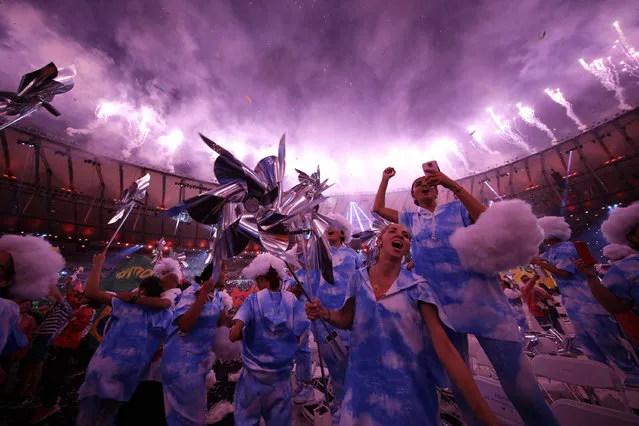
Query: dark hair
{"x":152,"y":286}
{"x":207,"y":273}
{"x":273,"y":278}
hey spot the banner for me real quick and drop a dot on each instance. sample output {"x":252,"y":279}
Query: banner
{"x":544,"y":277}
{"x":240,"y":296}
{"x":128,"y":276}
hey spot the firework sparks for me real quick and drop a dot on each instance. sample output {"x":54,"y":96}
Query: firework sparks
{"x":477,"y":140}
{"x":558,"y":97}
{"x":631,"y":64}
{"x":441,"y":148}
{"x":507,"y":133}
{"x":528,"y":115}
{"x":608,"y":77}
{"x":141,"y":122}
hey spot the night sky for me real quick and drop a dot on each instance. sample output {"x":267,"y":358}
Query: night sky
{"x":355,"y":85}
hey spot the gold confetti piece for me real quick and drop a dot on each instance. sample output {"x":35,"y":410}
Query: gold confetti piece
{"x":217,"y":54}
{"x":248,"y":98}
{"x":542,"y":36}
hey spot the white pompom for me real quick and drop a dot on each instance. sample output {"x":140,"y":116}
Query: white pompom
{"x":36,"y":265}
{"x":224,"y":349}
{"x":620,"y":222}
{"x":555,"y":227}
{"x":617,"y":252}
{"x":505,"y":236}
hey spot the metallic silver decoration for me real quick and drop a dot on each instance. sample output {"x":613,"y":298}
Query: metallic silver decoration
{"x":157,"y":250}
{"x":36,"y":89}
{"x":134,"y":194}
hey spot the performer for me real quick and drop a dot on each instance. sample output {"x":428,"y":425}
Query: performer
{"x":269,"y":323}
{"x":304,"y":392}
{"x":125,"y":353}
{"x":619,"y":292}
{"x":468,"y":302}
{"x":388,"y":379}
{"x":147,"y":403}
{"x":596,"y":330}
{"x":187,"y":357}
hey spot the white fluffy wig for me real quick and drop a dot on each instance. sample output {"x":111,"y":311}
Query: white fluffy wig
{"x":36,"y":265}
{"x":262,"y":263}
{"x":343,"y":226}
{"x":555,"y":227}
{"x":616,"y":252}
{"x":167,"y":266}
{"x":505,"y":236}
{"x":621,"y":221}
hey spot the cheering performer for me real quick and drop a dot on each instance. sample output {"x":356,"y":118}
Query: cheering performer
{"x":269,"y":323}
{"x":117,"y":367}
{"x":388,"y":379}
{"x":468,"y":302}
{"x":596,"y":330}
{"x":187,"y":357}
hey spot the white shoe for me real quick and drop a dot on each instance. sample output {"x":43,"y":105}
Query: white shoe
{"x":217,"y":412}
{"x":305,"y":395}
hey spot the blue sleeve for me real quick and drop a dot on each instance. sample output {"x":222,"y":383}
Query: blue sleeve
{"x":567,"y":251}
{"x":405,"y":218}
{"x":300,"y":320}
{"x":615,"y":280}
{"x":353,"y":285}
{"x":245,"y":313}
{"x":186,"y":300}
{"x":118,"y":308}
{"x":11,"y":337}
{"x":465,"y":216}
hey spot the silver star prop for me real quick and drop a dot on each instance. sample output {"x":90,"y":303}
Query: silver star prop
{"x":368,"y":238}
{"x":157,"y":250}
{"x":180,"y":257}
{"x":131,"y":196}
{"x":36,"y":90}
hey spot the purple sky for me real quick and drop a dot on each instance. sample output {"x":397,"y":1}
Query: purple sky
{"x":355,"y":86}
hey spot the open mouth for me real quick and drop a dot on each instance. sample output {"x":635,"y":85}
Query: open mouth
{"x":398,"y":244}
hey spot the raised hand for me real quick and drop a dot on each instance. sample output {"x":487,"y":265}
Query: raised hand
{"x":389,"y":172}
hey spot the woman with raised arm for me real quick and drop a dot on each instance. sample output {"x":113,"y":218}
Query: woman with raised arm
{"x":468,"y":302}
{"x":139,"y":322}
{"x":187,"y":357}
{"x":388,"y":380}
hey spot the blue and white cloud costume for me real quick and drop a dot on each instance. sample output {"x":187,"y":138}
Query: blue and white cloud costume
{"x":303,"y":359}
{"x":469,"y":302}
{"x":389,"y":377}
{"x":596,"y":330}
{"x":273,"y":322}
{"x":125,"y":353}
{"x":11,"y":337}
{"x":622,"y":279}
{"x":187,"y":359}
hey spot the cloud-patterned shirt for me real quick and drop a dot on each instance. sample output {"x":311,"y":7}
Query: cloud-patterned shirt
{"x":623,"y":279}
{"x":468,"y":302}
{"x":391,"y":365}
{"x":575,"y":293}
{"x":11,"y":337}
{"x":126,"y":351}
{"x":273,"y":321}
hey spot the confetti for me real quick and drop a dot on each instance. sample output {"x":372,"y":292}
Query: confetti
{"x":75,"y":99}
{"x":248,"y":98}
{"x":472,"y":133}
{"x":218,"y":54}
{"x":542,"y":36}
